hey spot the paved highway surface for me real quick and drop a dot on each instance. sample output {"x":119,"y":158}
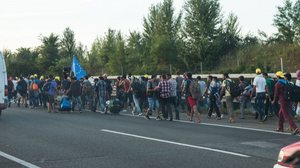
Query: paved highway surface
{"x":35,"y":138}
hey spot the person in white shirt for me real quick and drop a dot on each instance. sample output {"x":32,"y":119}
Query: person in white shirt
{"x":261,"y":88}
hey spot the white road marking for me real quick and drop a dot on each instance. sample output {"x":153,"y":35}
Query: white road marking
{"x":176,"y":143}
{"x":22,"y":162}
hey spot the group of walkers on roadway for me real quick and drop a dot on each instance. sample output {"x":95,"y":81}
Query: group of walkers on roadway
{"x":158,"y":94}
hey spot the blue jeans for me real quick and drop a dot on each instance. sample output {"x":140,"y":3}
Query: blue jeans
{"x":34,"y":99}
{"x":173,"y":101}
{"x":43,"y":98}
{"x":78,"y":100}
{"x":180,"y":99}
{"x":203,"y":104}
{"x":137,"y":104}
{"x":259,"y":103}
{"x":152,"y":102}
{"x":102,"y":103}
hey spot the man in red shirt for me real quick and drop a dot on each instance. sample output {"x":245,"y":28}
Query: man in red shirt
{"x":283,"y":113}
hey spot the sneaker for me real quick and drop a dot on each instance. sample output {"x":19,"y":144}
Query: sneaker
{"x":79,"y":111}
{"x":133,"y":111}
{"x":71,"y":111}
{"x":222,"y":116}
{"x":158,"y":118}
{"x":30,"y":107}
{"x":140,"y":114}
{"x":124,"y":111}
{"x":147,"y":117}
{"x":214,"y":114}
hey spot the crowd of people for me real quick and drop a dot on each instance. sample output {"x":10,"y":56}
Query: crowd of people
{"x":147,"y":95}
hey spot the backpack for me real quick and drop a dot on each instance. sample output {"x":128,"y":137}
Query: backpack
{"x":10,"y":85}
{"x":235,"y":89}
{"x":87,"y":88}
{"x":273,"y":85}
{"x":22,"y":86}
{"x":215,"y":89}
{"x":137,"y":89}
{"x":291,"y":92}
{"x":33,"y":86}
{"x":195,"y":90}
{"x":47,"y":86}
{"x":248,"y":90}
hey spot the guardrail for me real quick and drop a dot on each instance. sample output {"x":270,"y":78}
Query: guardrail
{"x":232,"y":76}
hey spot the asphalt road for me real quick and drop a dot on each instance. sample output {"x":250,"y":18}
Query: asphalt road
{"x":54,"y":140}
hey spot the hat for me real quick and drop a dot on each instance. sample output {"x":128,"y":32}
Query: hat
{"x":258,"y":71}
{"x":135,"y":76}
{"x":270,"y":75}
{"x":42,"y":77}
{"x":280,"y":74}
{"x":31,"y":76}
{"x":35,"y":75}
{"x":146,"y":76}
{"x":17,"y":78}
{"x":105,"y":75}
{"x":185,"y":74}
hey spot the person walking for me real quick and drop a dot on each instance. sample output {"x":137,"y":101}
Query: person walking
{"x":283,"y":113}
{"x":215,"y":87}
{"x":179,"y":81}
{"x":75,"y":89}
{"x":244,"y":99}
{"x":261,"y":88}
{"x":202,"y":87}
{"x":273,"y":108}
{"x":228,"y":97}
{"x":96,"y":97}
{"x":165,"y":89}
{"x":136,"y":89}
{"x":173,"y":95}
{"x":128,"y":94}
{"x":152,"y":98}
{"x":10,"y":89}
{"x":86,"y":92}
{"x":102,"y":93}
{"x":191,"y":100}
{"x":22,"y":90}
{"x":143,"y":99}
{"x":207,"y":92}
{"x":109,"y":86}
{"x":50,"y":94}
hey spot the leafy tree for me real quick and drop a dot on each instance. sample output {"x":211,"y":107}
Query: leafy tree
{"x":117,"y":60}
{"x":134,"y":51}
{"x":109,"y":46}
{"x":48,"y":52}
{"x":287,"y":21}
{"x":201,"y":29}
{"x":68,"y":44}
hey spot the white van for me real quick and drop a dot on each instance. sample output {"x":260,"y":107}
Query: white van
{"x":3,"y":84}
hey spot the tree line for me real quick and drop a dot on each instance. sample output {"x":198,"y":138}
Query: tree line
{"x":198,"y":36}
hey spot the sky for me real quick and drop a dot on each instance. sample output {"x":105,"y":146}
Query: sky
{"x":23,"y":21}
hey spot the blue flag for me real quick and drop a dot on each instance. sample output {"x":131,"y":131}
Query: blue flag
{"x":77,"y":69}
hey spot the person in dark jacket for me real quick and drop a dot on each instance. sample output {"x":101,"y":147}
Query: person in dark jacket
{"x":283,"y":113}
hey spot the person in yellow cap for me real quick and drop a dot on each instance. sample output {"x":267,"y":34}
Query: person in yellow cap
{"x":284,"y":104}
{"x":261,"y":88}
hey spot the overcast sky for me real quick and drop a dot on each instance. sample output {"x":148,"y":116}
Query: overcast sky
{"x":22,"y":21}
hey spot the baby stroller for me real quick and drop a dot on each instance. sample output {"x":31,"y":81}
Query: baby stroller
{"x":114,"y":106}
